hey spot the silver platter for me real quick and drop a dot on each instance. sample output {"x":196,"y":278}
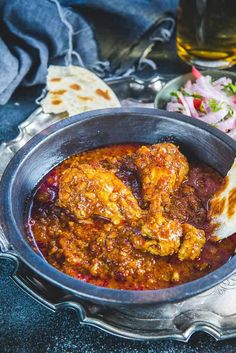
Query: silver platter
{"x":213,"y":311}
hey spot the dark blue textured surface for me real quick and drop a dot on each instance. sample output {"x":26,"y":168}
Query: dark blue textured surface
{"x":28,"y":327}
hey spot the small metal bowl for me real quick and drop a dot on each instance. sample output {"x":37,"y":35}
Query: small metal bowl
{"x":163,"y":96}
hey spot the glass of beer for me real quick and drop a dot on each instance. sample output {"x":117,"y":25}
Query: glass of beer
{"x":206,"y":33}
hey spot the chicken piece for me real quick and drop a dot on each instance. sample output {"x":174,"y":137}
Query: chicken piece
{"x":163,"y":239}
{"x":162,"y":168}
{"x":167,"y":234}
{"x":88,"y":191}
{"x":162,"y":236}
{"x":194,"y":240}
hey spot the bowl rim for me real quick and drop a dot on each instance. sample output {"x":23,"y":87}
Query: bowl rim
{"x":83,"y":289}
{"x":187,"y":77}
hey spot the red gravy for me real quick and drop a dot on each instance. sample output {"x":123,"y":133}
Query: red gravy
{"x":102,"y":254}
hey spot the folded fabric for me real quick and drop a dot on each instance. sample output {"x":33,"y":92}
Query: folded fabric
{"x":36,"y":33}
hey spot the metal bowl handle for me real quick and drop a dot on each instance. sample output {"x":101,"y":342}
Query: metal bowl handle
{"x":6,"y":250}
{"x":37,"y":288}
{"x":51,"y":296}
{"x":23,"y":276}
{"x":4,"y":244}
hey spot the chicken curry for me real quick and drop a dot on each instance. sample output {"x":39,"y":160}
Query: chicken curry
{"x":129,"y":217}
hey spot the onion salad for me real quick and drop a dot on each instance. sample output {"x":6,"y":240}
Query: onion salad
{"x":211,"y":101}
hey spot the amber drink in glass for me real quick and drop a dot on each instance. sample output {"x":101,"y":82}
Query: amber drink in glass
{"x":206,"y":32}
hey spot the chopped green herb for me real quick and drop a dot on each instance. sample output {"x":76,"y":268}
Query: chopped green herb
{"x":196,"y":95}
{"x":201,"y":108}
{"x":230,"y":111}
{"x":186,"y":94}
{"x":214,"y":105}
{"x":230,"y":89}
{"x":174,"y":94}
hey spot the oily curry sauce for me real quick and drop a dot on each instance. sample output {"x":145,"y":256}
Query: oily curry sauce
{"x":99,"y":252}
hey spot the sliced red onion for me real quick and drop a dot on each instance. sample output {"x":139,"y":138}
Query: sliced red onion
{"x":196,"y":74}
{"x":227,"y":124}
{"x":206,"y":107}
{"x":221,"y":82}
{"x":205,"y":88}
{"x":193,"y":111}
{"x":182,"y":100}
{"x":232,"y":100}
{"x":232,"y":134}
{"x":188,"y":85}
{"x":215,"y":117}
{"x":174,"y":107}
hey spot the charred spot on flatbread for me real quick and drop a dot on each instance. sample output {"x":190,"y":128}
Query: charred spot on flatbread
{"x":56,"y":101}
{"x":55,"y":79}
{"x":232,"y":203}
{"x":86,"y":99}
{"x":222,"y":207}
{"x":75,"y":86}
{"x":217,"y":206}
{"x":58,"y":92}
{"x":104,"y":94}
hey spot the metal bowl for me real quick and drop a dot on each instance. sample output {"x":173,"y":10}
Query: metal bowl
{"x":77,"y":134}
{"x":163,"y":96}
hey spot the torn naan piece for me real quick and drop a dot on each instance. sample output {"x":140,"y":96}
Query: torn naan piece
{"x":222,"y":208}
{"x":73,"y":90}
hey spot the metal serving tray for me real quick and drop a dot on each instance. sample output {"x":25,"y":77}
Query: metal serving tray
{"x":213,"y":311}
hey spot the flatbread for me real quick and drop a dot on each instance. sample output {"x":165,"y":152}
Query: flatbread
{"x":223,"y":206}
{"x":74,"y":90}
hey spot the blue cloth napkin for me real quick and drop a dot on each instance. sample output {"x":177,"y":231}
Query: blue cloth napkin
{"x":36,"y":33}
